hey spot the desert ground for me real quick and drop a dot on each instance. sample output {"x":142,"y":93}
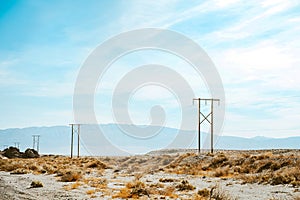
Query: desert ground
{"x":165,"y":174}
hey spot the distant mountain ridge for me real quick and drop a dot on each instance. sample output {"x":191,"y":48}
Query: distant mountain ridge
{"x":56,"y":140}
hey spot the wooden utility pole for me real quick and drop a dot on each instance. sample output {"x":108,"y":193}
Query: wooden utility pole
{"x":36,"y":142}
{"x":75,"y":130}
{"x":17,"y":145}
{"x":78,"y":132}
{"x":72,"y":140}
{"x":211,"y":121}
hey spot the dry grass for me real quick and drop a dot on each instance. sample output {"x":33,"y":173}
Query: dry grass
{"x":58,"y":165}
{"x":96,"y":182}
{"x":96,"y":164}
{"x":185,"y":186}
{"x":75,"y":185}
{"x":133,"y":189}
{"x":268,"y":167}
{"x":204,"y":192}
{"x":90,"y":192}
{"x":214,"y":193}
{"x":166,"y":180}
{"x":170,"y":192}
{"x":252,"y":167}
{"x":71,"y":176}
{"x":138,"y":189}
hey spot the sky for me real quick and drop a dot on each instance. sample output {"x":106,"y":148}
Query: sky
{"x":255,"y":46}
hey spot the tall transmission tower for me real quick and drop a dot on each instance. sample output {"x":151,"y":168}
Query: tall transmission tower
{"x":206,"y":118}
{"x":36,"y":142}
{"x":75,"y":129}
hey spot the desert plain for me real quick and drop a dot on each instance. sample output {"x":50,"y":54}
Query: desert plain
{"x":163,"y":174}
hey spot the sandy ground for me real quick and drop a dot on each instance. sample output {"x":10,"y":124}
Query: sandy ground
{"x":18,"y":187}
{"x":14,"y":186}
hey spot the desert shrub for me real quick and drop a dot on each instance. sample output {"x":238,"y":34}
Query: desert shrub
{"x":217,"y":193}
{"x":184,"y":185}
{"x":19,"y":171}
{"x":218,"y":161}
{"x":166,"y":161}
{"x":251,"y":167}
{"x":264,"y":166}
{"x":170,"y":192}
{"x":11,"y":165}
{"x":90,"y":192}
{"x":71,"y":176}
{"x":96,"y":182}
{"x":138,"y":176}
{"x":204,"y":192}
{"x":264,"y":156}
{"x":219,"y":172}
{"x":96,"y":164}
{"x":138,"y":190}
{"x":157,"y":185}
{"x":249,"y":178}
{"x":36,"y":184}
{"x":124,"y":193}
{"x":166,"y":180}
{"x":75,"y":185}
{"x":295,"y":183}
{"x":275,"y":166}
{"x":134,"y":189}
{"x":177,"y":161}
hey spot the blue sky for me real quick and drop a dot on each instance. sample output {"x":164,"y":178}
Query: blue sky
{"x":255,"y":46}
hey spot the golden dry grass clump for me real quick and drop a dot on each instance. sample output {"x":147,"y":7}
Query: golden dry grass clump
{"x":71,"y":176}
{"x":137,"y":189}
{"x":96,"y":164}
{"x":64,"y":167}
{"x":184,"y":186}
{"x":272,"y":167}
{"x":133,"y":189}
{"x":213,"y":193}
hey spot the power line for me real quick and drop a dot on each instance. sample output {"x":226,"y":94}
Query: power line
{"x":268,"y":99}
{"x":85,"y":148}
{"x":257,"y":130}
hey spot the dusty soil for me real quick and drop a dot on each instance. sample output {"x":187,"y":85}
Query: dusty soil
{"x":151,"y":176}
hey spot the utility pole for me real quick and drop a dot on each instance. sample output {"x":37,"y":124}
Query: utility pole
{"x":75,"y":129}
{"x":72,"y":140}
{"x":17,"y":145}
{"x":206,"y":117}
{"x":36,"y":142}
{"x":78,"y":132}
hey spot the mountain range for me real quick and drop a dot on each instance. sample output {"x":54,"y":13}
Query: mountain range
{"x":115,"y":139}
